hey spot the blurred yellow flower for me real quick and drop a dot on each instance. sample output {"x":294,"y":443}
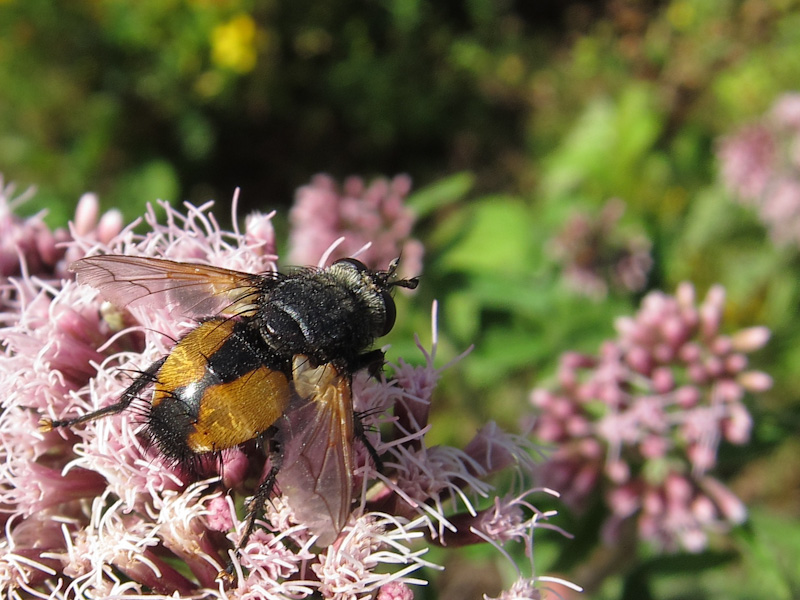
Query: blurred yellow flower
{"x":233,"y":44}
{"x":682,"y":15}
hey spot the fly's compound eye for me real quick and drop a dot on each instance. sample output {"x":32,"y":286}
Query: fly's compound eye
{"x":391,"y":312}
{"x":379,"y":280}
{"x":352,"y":263}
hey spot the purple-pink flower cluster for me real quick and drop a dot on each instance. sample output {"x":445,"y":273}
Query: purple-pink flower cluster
{"x":94,"y":511}
{"x":760,"y":165}
{"x":28,"y":245}
{"x":641,"y":422}
{"x":352,"y":217}
{"x":597,"y":255}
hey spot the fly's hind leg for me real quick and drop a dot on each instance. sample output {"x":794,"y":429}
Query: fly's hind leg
{"x":361,"y":436}
{"x":145,"y":378}
{"x":255,"y":507}
{"x":373,"y":362}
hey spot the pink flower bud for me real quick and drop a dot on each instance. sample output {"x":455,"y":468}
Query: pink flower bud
{"x":548,"y":429}
{"x":663,"y":353}
{"x":639,"y":360}
{"x":45,"y":243}
{"x":721,"y":344}
{"x":687,"y":396}
{"x":702,"y":457}
{"x":755,"y":381}
{"x":703,"y":509}
{"x":541,"y":398}
{"x":585,"y":481}
{"x":577,"y":426}
{"x":86,"y":213}
{"x":674,"y":331}
{"x":395,"y":591}
{"x":693,"y":539}
{"x":654,"y":447}
{"x":728,"y":504}
{"x":618,"y":471}
{"x":663,"y":380}
{"x":677,"y":489}
{"x":219,"y":514}
{"x":653,"y":501}
{"x":685,"y":295}
{"x":714,"y":366}
{"x":110,"y":226}
{"x":735,"y":363}
{"x":625,"y":326}
{"x":697,"y":373}
{"x":736,"y":428}
{"x":260,"y":232}
{"x":624,"y":500}
{"x":591,"y":448}
{"x":690,"y":352}
{"x":728,"y":390}
{"x":751,"y":339}
{"x":711,"y":311}
{"x":577,"y":360}
{"x":786,"y":111}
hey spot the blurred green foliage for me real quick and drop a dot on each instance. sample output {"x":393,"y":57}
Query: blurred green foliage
{"x":510,"y":116}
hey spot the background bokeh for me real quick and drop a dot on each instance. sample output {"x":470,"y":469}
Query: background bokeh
{"x":552,"y":146}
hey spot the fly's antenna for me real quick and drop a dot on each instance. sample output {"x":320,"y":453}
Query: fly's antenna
{"x":391,"y":281}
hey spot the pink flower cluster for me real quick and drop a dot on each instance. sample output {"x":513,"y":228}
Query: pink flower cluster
{"x":641,"y":422}
{"x":597,"y":256}
{"x":760,"y":164}
{"x":27,"y":244}
{"x":94,"y":511}
{"x":359,"y":214}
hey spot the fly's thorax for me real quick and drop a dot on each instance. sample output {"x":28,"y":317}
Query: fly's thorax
{"x":333,"y":314}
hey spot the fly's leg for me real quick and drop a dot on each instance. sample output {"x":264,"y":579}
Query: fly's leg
{"x":255,"y":507}
{"x":145,"y":378}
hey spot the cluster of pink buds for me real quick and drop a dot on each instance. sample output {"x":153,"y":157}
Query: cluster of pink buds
{"x":760,"y":164}
{"x":353,"y":217}
{"x":28,"y":244}
{"x":641,"y":422}
{"x":597,"y":255}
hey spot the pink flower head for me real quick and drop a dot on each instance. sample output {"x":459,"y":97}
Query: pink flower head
{"x":747,"y":161}
{"x":361,"y":215}
{"x":760,"y":165}
{"x":28,"y":245}
{"x":527,"y":587}
{"x":95,"y":510}
{"x":644,"y":418}
{"x":597,"y":255}
{"x":395,"y":591}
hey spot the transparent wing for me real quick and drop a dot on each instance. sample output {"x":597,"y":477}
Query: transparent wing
{"x":192,"y":290}
{"x":316,"y":475}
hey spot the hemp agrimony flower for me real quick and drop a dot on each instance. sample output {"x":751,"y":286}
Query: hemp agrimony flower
{"x":640,"y":423}
{"x":760,"y":165}
{"x":354,"y":216}
{"x":597,"y":255}
{"x":96,"y":511}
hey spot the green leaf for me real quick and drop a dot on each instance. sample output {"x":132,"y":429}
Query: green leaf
{"x":497,"y":238}
{"x":441,"y":193}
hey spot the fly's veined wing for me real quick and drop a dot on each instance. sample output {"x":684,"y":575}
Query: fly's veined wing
{"x":189,"y":289}
{"x":316,"y":476}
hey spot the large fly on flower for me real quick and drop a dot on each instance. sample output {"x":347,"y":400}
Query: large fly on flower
{"x":272,"y":357}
